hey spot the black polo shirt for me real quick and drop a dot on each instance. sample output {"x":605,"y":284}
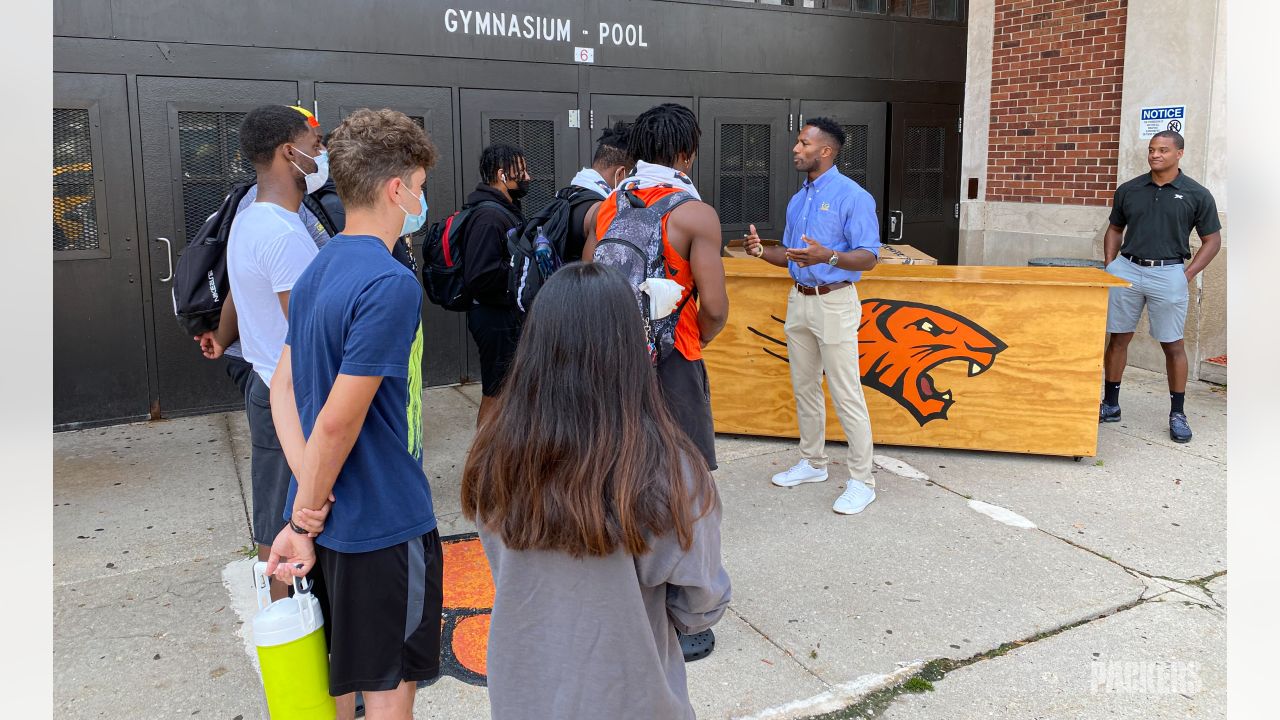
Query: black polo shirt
{"x":1159,"y":218}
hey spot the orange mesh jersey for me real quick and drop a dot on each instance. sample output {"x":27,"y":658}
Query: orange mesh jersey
{"x":688,"y":338}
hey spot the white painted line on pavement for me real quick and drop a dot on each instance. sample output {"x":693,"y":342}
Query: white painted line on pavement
{"x":839,"y":696}
{"x":897,"y":467}
{"x":999,"y":514}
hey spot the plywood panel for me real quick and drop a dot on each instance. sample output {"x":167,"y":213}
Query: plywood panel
{"x":1037,"y":383}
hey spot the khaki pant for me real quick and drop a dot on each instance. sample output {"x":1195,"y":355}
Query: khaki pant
{"x":822,"y":336}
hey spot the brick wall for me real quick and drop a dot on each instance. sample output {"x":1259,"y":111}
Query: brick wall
{"x":1056,"y":75}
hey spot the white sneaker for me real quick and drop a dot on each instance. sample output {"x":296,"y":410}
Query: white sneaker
{"x":855,"y":499}
{"x":801,"y":472}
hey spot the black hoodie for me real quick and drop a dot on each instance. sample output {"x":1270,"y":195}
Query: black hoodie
{"x":485,"y":257}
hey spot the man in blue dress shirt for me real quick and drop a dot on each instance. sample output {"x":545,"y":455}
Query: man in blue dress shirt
{"x":831,"y":236}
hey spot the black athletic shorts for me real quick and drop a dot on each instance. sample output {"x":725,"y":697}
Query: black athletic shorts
{"x":381,"y":614}
{"x":268,"y":468}
{"x":688,"y":395}
{"x":496,"y":330}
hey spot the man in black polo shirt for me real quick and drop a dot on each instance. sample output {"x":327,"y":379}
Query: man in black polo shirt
{"x":1147,"y":244}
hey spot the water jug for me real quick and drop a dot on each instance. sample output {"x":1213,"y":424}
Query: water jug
{"x":289,"y":634}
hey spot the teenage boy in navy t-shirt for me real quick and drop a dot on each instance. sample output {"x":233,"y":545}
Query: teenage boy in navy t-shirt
{"x":348,"y":393}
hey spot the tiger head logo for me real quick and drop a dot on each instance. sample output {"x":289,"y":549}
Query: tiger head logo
{"x":899,"y":342}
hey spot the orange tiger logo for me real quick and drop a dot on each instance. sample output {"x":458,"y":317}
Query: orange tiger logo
{"x":899,"y":342}
{"x":468,"y":604}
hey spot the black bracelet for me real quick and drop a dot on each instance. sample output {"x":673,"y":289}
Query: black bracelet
{"x":297,"y":529}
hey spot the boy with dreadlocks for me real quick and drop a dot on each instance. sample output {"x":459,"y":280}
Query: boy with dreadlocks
{"x":664,"y":143}
{"x":494,"y":320}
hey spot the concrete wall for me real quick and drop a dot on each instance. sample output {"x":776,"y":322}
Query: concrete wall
{"x":1175,"y":53}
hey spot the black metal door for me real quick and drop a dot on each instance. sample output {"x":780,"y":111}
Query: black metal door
{"x":444,"y":333}
{"x":862,"y":156}
{"x":190,"y":158}
{"x":99,"y":342}
{"x":924,"y":179}
{"x":609,"y":109}
{"x":537,"y":123}
{"x":745,"y":167}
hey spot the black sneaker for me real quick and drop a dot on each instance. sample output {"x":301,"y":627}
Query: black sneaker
{"x":698,"y":645}
{"x":1179,"y":430}
{"x":1108,"y":413}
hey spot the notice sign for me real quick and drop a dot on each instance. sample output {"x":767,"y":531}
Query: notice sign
{"x":1157,"y":119}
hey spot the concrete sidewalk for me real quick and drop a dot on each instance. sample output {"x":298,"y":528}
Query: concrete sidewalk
{"x":1041,"y":587}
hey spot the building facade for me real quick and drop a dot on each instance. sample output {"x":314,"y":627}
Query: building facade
{"x":1055,"y":93}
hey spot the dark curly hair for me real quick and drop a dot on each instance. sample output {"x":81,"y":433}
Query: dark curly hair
{"x":499,"y":157}
{"x":828,"y":127}
{"x":663,"y":133}
{"x":268,"y":127}
{"x":372,"y":146}
{"x":612,"y":148}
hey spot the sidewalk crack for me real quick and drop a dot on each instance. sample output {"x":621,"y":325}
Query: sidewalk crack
{"x":780,"y":648}
{"x":235,"y":467}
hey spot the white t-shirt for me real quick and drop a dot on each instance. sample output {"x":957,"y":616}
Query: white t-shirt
{"x":268,"y":249}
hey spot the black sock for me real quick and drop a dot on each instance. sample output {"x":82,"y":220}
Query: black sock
{"x":1175,"y":402}
{"x":1111,"y":393}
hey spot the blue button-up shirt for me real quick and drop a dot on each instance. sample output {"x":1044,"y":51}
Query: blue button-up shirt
{"x":837,"y":213}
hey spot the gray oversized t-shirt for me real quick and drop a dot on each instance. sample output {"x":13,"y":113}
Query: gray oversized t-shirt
{"x":595,"y":637}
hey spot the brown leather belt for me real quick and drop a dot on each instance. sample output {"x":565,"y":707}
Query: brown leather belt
{"x":821,"y":289}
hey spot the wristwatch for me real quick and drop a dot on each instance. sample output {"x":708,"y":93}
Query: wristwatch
{"x":835,"y":258}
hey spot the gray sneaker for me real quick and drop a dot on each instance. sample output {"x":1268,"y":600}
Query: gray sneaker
{"x":1179,"y":430}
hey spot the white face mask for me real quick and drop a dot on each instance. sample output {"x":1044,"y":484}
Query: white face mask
{"x":317,"y":179}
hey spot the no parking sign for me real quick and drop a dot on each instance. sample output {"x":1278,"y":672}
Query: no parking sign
{"x":1167,"y":117}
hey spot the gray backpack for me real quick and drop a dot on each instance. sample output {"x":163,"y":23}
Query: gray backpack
{"x":633,"y":245}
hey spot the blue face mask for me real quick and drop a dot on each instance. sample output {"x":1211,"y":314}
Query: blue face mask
{"x":412,"y":222}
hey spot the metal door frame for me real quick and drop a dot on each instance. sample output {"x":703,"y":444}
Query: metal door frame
{"x":947,"y":117}
{"x":715,"y":112}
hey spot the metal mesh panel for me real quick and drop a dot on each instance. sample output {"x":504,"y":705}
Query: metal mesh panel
{"x":852,"y":160}
{"x":744,"y":173}
{"x":538,"y":141}
{"x":209,"y":150}
{"x":924,"y":161}
{"x":75,"y":209}
{"x":869,"y":6}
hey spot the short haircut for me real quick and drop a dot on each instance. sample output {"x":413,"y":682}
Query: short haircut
{"x":499,"y":157}
{"x":663,"y":133}
{"x":1173,"y":135}
{"x":372,"y":146}
{"x":612,"y":148}
{"x":268,"y":127}
{"x":828,"y":127}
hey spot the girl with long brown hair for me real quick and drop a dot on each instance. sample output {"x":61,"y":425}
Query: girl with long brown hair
{"x":598,"y":515}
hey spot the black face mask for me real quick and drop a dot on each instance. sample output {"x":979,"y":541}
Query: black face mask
{"x":520,"y":190}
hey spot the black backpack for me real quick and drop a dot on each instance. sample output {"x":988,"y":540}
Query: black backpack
{"x":200,"y":283}
{"x":528,"y":270}
{"x":443,"y":251}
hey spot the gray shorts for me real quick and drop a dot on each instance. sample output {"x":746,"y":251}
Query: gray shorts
{"x":1162,"y":289}
{"x":269,"y":470}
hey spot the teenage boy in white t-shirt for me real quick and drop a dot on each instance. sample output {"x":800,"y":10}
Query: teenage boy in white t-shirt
{"x":268,"y":249}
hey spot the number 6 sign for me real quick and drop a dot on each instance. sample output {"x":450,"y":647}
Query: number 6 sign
{"x":584,"y":55}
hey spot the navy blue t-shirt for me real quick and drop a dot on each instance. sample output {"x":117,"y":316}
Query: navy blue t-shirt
{"x":357,"y":311}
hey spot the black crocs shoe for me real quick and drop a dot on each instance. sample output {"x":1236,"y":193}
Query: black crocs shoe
{"x":1179,"y":430}
{"x":698,"y":645}
{"x":1108,"y":413}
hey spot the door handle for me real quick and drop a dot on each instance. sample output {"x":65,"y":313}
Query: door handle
{"x":168,"y":251}
{"x":895,"y":225}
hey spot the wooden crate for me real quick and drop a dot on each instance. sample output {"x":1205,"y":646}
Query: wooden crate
{"x":1035,"y":391}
